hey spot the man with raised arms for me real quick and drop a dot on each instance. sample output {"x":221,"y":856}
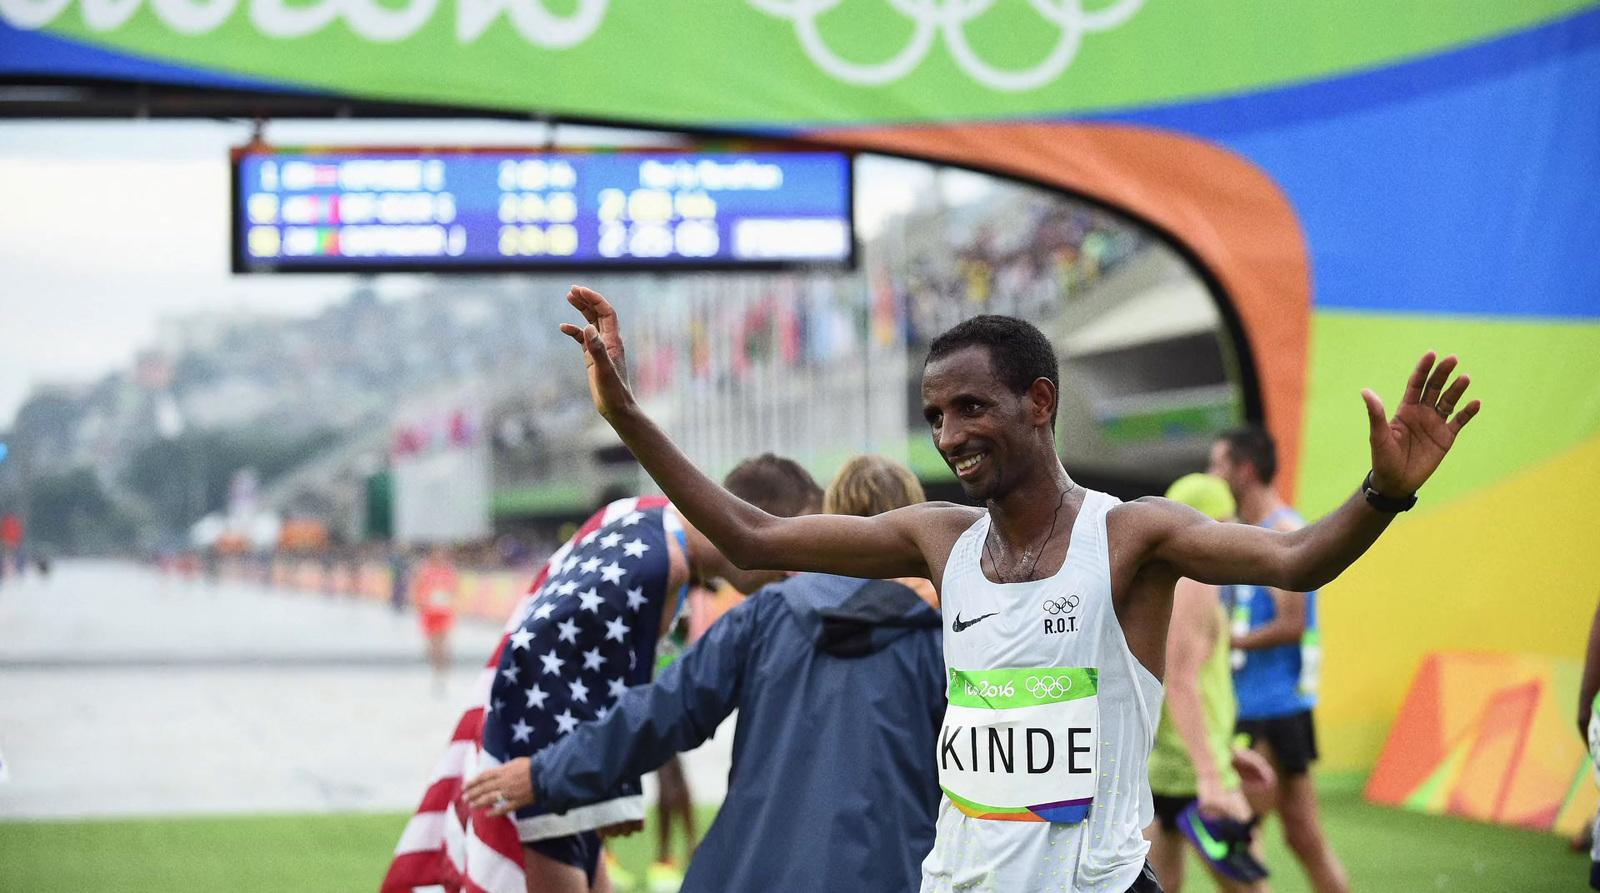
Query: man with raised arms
{"x":1058,"y":596}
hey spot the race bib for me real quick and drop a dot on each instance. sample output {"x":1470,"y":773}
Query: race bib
{"x":1020,"y":745}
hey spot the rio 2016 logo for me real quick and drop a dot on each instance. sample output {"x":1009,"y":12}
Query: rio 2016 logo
{"x":370,"y":19}
{"x":380,"y":22}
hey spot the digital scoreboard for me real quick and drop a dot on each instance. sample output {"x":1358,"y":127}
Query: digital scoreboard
{"x":377,"y":210}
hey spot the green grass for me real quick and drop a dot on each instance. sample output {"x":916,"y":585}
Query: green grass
{"x":1392,"y":851}
{"x":1386,"y":851}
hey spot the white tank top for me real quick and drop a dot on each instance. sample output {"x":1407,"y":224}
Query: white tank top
{"x":1065,"y":621}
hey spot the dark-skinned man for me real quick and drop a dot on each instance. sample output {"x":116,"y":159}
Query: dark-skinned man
{"x":1058,"y":597}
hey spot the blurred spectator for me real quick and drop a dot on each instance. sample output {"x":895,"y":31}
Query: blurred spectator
{"x":399,"y":576}
{"x":435,"y":596}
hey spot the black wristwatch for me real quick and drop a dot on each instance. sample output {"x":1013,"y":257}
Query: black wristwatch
{"x":1382,"y":503}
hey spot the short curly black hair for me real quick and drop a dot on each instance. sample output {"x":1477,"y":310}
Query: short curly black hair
{"x":1019,"y":352}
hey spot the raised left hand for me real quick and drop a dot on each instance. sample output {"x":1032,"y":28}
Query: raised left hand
{"x":502,"y":790}
{"x":1409,"y":447}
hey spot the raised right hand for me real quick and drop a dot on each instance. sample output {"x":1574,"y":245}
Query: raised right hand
{"x":604,"y":355}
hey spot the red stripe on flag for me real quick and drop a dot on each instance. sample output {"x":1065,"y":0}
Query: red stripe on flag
{"x":440,"y":795}
{"x":470,"y":728}
{"x":410,"y":870}
{"x":499,"y":834}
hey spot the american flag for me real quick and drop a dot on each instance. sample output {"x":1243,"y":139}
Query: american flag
{"x":585,"y":631}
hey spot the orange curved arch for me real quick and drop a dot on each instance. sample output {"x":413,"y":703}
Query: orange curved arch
{"x":1226,"y":210}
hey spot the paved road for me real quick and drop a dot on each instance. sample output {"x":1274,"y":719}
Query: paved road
{"x":125,"y":693}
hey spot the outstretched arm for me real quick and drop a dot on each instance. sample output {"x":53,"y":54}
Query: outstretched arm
{"x":887,"y":545}
{"x":1406,"y":450}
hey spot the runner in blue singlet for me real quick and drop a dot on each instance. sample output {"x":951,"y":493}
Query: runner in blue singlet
{"x":1277,"y":657}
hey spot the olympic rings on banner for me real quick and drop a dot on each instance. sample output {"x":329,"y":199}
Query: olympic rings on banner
{"x":1064,"y":605}
{"x":1048,"y":686}
{"x":950,"y":18}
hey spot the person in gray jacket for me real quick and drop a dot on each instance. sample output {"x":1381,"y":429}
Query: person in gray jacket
{"x":840,"y":689}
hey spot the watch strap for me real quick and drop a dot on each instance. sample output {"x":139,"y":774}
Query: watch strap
{"x":1390,"y":504}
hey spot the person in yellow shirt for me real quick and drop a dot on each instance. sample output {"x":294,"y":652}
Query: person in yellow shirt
{"x":1193,"y":779}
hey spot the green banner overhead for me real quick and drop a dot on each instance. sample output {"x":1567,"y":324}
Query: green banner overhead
{"x":774,"y":62}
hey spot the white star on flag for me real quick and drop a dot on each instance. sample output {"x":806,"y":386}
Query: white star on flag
{"x":536,"y":696}
{"x":568,"y":587}
{"x":610,"y":540}
{"x":569,"y":564}
{"x":635,"y":549}
{"x":521,"y":731}
{"x":510,"y":673}
{"x":611,"y":573}
{"x":603,"y":712}
{"x":565,"y":722}
{"x":552,"y":664}
{"x":590,"y":564}
{"x":580,"y":692}
{"x":520,"y":639}
{"x":617,"y":686}
{"x":617,"y":629}
{"x":591,"y":600}
{"x":632,"y":518}
{"x":592,"y":659}
{"x":589,"y":538}
{"x":636,"y":599}
{"x":543,"y":612}
{"x":497,"y":705}
{"x":568,"y":631}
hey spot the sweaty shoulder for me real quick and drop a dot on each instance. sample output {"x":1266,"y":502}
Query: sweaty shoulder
{"x":1141,"y":524}
{"x":1151,"y":513}
{"x":937,"y":518}
{"x":935,"y":527}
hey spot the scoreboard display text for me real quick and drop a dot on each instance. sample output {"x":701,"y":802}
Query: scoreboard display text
{"x":336,"y":210}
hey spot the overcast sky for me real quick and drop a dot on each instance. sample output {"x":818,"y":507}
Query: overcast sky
{"x":107,"y":227}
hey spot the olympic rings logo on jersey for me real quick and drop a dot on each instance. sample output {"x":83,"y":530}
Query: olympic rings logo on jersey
{"x":1048,"y":686}
{"x":949,"y":18}
{"x":1064,"y":605}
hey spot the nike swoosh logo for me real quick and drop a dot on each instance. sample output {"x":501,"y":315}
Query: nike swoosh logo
{"x":960,"y":624}
{"x":1214,"y":849}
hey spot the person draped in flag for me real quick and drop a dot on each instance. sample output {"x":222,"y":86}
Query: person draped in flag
{"x":585,"y":633}
{"x":838,"y":687}
{"x":1058,"y":597}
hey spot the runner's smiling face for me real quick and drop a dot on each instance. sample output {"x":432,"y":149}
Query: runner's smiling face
{"x":983,"y":430}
